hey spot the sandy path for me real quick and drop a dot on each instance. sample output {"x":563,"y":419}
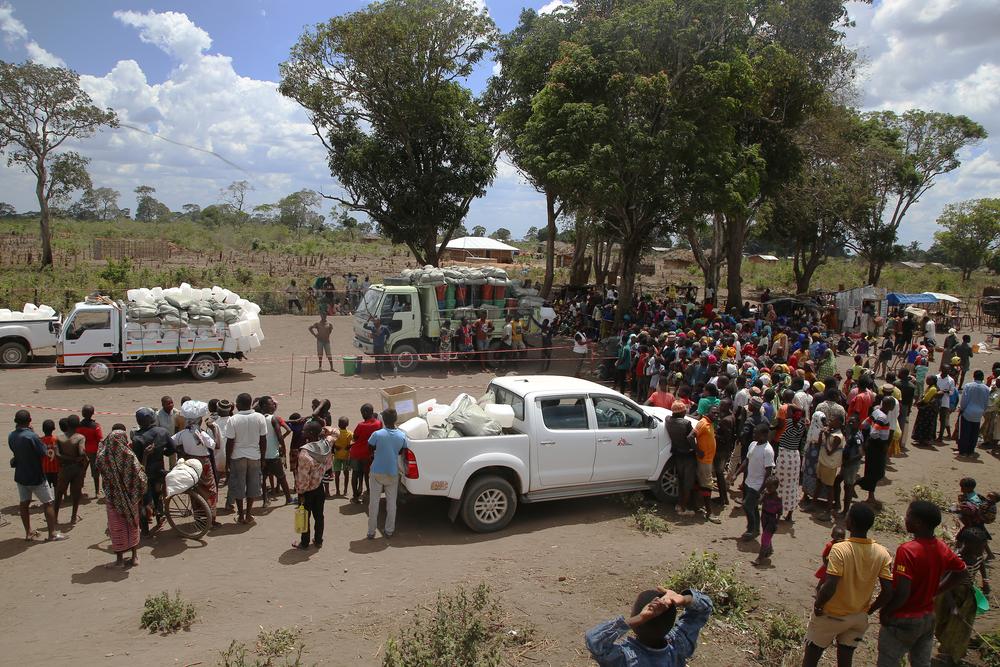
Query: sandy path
{"x":349,"y":596}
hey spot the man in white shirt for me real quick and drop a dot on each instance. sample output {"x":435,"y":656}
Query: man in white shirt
{"x":945,"y":385}
{"x":246,"y":441}
{"x":758,"y":466}
{"x":580,"y":349}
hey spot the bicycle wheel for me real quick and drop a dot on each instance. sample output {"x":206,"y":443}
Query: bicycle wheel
{"x":189,"y":514}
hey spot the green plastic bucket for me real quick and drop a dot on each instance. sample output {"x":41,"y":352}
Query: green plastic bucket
{"x":982,"y":603}
{"x":350,"y":366}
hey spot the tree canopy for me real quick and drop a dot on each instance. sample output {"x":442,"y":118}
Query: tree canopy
{"x":409,"y":144}
{"x":41,"y":108}
{"x":971,"y":234}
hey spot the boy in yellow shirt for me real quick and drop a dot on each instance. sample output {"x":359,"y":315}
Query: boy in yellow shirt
{"x":341,"y":455}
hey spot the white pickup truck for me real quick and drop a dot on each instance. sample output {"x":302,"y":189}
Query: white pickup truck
{"x":19,"y":339}
{"x":571,"y":438}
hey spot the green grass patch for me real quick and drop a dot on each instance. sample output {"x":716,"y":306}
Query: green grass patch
{"x":274,"y":648}
{"x":928,"y":492}
{"x":647,"y":520}
{"x":466,"y":628}
{"x":731,"y":596}
{"x":779,"y":639}
{"x":162,"y":613}
{"x":890,"y":521}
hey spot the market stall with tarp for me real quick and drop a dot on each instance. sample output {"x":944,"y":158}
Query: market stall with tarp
{"x":938,"y":296}
{"x":857,"y":308}
{"x":899,"y":299}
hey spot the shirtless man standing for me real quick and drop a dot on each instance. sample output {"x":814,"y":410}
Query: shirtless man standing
{"x":321,"y":332}
{"x":72,"y":454}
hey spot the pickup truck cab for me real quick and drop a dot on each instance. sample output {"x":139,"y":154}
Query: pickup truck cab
{"x":571,"y":438}
{"x":19,"y":339}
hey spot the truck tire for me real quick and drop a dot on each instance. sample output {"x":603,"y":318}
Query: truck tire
{"x":13,"y":355}
{"x":99,"y":371}
{"x":204,"y":367}
{"x":665,"y":489}
{"x":488,"y":504}
{"x":405,"y":358}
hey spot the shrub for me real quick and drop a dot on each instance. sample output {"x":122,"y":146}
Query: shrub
{"x":465,"y":629}
{"x":279,"y":644}
{"x":647,"y":521}
{"x":779,"y":637}
{"x":988,"y":645}
{"x":928,"y":492}
{"x":730,"y":595}
{"x":162,"y":613}
{"x":890,"y":521}
{"x":116,"y":273}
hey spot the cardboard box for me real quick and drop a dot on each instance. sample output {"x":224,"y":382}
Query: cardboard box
{"x":401,"y":398}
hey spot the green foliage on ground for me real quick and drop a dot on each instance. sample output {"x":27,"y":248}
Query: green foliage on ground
{"x":779,"y":639}
{"x":928,"y":492}
{"x":890,"y":521}
{"x":731,"y":596}
{"x":988,"y":645}
{"x":162,"y":613}
{"x":464,"y":629}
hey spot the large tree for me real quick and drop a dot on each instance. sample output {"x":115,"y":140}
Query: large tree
{"x":635,"y":122}
{"x":903,"y":159}
{"x":525,"y":56}
{"x":410,"y":145}
{"x":971,"y":233}
{"x":98,"y":204}
{"x":810,"y":214}
{"x":147,"y":207}
{"x":41,"y":108}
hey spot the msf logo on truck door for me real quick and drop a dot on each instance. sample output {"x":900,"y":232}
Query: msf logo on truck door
{"x":622,"y":442}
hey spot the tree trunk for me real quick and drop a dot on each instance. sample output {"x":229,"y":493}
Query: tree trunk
{"x":550,"y":243}
{"x":874,"y":271}
{"x":737,"y":233}
{"x":631,"y":253}
{"x":579,"y":272}
{"x":710,"y":263}
{"x":43,"y":207}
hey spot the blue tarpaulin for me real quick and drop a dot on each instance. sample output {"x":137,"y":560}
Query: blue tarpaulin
{"x":896,"y":299}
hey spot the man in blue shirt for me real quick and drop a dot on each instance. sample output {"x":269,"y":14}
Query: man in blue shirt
{"x":657,"y":642}
{"x":380,"y":336}
{"x":28,"y":451}
{"x":975,"y":398}
{"x":387,"y":443}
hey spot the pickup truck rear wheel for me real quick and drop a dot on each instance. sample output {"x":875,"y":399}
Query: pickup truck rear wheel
{"x":13,"y":355}
{"x":99,"y":371}
{"x":488,"y":504}
{"x":666,"y":489}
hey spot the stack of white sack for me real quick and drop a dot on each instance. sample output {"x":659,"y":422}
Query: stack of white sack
{"x":183,"y":476}
{"x":461,"y":418}
{"x":29,"y":312}
{"x":200,"y":308}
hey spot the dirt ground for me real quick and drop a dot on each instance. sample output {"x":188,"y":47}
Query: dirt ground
{"x":560,"y":567}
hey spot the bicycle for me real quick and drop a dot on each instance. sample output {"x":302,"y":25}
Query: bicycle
{"x":188,"y":513}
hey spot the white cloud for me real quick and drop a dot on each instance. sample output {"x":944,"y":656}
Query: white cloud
{"x":39,"y":55}
{"x":11,"y":28}
{"x":939,"y":55}
{"x":173,"y":32}
{"x":14,"y":32}
{"x":202,"y":103}
{"x":553,"y":5}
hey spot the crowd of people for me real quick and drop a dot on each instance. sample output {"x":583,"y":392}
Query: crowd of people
{"x":759,"y":409}
{"x":242,"y":445}
{"x":759,"y":414}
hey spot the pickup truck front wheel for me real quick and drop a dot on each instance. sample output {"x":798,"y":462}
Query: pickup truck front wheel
{"x":99,"y":371}
{"x":489,"y":504}
{"x":666,"y":489}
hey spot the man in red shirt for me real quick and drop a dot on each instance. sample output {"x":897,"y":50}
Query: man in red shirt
{"x":93,"y":434}
{"x":360,"y":454}
{"x":861,"y":403}
{"x":924,"y":567}
{"x":661,"y":398}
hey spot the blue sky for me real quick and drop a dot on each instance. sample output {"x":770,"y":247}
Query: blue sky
{"x":204,"y":73}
